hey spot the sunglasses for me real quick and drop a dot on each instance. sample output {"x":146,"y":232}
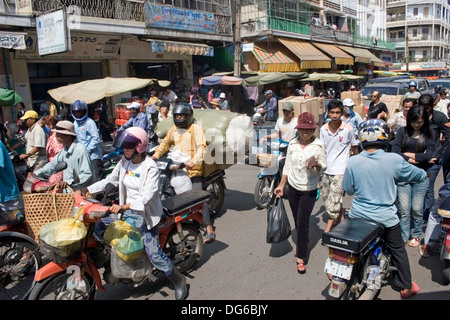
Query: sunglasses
{"x":128,"y":145}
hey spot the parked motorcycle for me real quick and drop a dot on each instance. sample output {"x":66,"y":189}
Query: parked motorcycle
{"x":358,"y":261}
{"x":270,"y":174}
{"x":78,"y":276}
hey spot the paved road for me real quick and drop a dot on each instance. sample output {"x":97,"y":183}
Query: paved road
{"x":240,"y":265}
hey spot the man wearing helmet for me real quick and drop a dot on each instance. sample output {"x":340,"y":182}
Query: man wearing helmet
{"x":137,"y":176}
{"x":138,"y":118}
{"x":367,"y":172}
{"x":87,"y":133}
{"x":188,"y":137}
{"x":413,"y":92}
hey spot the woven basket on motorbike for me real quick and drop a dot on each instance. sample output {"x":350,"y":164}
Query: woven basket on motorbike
{"x":42,"y":208}
{"x":266,"y":159}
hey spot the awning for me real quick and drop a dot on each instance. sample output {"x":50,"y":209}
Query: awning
{"x":360,"y":56}
{"x":272,"y":77}
{"x":310,"y":57}
{"x":274,"y":57}
{"x":340,"y":57}
{"x":377,"y":62}
{"x":194,"y":49}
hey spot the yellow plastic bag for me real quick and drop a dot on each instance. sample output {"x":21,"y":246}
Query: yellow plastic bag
{"x":126,"y":239}
{"x":63,"y":232}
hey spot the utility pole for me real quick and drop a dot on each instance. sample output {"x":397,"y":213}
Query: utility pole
{"x":406,"y":37}
{"x":237,"y":39}
{"x":237,"y":55}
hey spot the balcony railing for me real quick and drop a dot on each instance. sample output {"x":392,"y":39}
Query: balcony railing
{"x":132,"y":10}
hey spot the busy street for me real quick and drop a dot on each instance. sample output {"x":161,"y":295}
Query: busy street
{"x":239,"y":265}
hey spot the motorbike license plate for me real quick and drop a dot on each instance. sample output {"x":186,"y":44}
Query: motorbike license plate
{"x":338,"y":268}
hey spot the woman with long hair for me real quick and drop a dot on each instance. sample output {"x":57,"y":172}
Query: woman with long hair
{"x":415,"y":143}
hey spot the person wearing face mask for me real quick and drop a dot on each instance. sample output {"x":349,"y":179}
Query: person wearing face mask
{"x":350,"y":116}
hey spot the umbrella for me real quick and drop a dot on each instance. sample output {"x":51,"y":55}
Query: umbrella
{"x":331,"y":77}
{"x":271,"y":77}
{"x":9,"y":97}
{"x":219,"y":79}
{"x":93,"y":90}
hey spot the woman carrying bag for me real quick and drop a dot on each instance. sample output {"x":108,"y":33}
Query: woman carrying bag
{"x":305,"y":161}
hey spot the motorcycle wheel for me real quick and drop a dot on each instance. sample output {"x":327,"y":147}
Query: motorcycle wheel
{"x":185,"y":254}
{"x":55,"y":288}
{"x":446,"y":272}
{"x":19,"y":262}
{"x":217,"y":196}
{"x":263,"y":194}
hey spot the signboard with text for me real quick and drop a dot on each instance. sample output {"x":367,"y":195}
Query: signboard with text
{"x":169,"y":17}
{"x":52,"y":33}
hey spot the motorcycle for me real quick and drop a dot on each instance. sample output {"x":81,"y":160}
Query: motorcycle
{"x":358,"y":261}
{"x":270,"y":174}
{"x":77,"y":276}
{"x":20,"y":168}
{"x":445,"y":240}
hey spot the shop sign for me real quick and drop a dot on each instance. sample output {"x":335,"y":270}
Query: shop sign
{"x":182,"y":48}
{"x":12,"y":40}
{"x":83,"y":47}
{"x":169,"y":17}
{"x":52,"y":33}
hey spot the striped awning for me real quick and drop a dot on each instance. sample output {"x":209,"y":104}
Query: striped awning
{"x":273,"y":57}
{"x":377,"y":62}
{"x":310,"y":57}
{"x":340,"y":57}
{"x":360,"y":56}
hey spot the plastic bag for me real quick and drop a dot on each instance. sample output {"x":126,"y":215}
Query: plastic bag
{"x":126,"y":239}
{"x":63,"y":232}
{"x":180,"y":181}
{"x":278,"y":226}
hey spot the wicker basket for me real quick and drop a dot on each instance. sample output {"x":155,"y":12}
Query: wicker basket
{"x":42,"y":208}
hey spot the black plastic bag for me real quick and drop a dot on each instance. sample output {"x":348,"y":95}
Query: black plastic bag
{"x":278,"y":226}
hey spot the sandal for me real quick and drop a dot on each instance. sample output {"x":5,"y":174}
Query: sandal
{"x":301,"y":267}
{"x":414,"y":242}
{"x":209,"y":237}
{"x":423,"y":252}
{"x":408,"y":294}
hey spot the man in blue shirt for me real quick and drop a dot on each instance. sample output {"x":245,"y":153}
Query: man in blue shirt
{"x":371,"y":176}
{"x":79,"y":172}
{"x":87,"y":133}
{"x":10,"y":198}
{"x":269,"y":108}
{"x":138,"y":118}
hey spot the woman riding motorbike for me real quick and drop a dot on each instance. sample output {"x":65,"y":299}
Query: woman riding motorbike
{"x":137,"y":177}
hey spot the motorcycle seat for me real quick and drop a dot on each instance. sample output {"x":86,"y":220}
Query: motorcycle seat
{"x":352,"y":235}
{"x":180,"y":202}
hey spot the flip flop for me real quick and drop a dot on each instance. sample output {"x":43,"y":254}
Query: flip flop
{"x":422,"y":252}
{"x":210,"y":237}
{"x":301,"y":267}
{"x":415,"y":288}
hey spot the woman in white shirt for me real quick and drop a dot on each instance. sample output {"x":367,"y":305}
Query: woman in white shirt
{"x":305,"y":161}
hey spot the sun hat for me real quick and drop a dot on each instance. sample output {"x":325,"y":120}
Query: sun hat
{"x":222,"y":95}
{"x":268,"y":92}
{"x":306,"y":121}
{"x":215,"y":101}
{"x":30,"y":114}
{"x":65,"y":127}
{"x":134,"y":105}
{"x":288,"y":106}
{"x":348,"y":102}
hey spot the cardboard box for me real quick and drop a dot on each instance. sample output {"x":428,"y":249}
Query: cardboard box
{"x":314,"y":105}
{"x":393,"y":102}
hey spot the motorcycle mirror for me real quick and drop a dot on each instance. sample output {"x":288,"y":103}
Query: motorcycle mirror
{"x":61,"y":166}
{"x":110,"y":188}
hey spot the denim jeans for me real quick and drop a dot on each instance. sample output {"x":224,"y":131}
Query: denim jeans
{"x":410,"y":199}
{"x":433,"y":171}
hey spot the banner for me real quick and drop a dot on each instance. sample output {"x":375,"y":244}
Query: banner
{"x":12,"y":40}
{"x":182,"y":48}
{"x":169,"y":17}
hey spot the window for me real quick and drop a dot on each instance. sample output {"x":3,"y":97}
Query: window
{"x":415,"y":11}
{"x":424,"y":53}
{"x":425,"y":12}
{"x":414,"y":33}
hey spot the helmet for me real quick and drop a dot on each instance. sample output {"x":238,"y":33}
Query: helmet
{"x":373,"y":132}
{"x":133,"y":137}
{"x":79,"y":105}
{"x":183,"y":108}
{"x":413,"y":84}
